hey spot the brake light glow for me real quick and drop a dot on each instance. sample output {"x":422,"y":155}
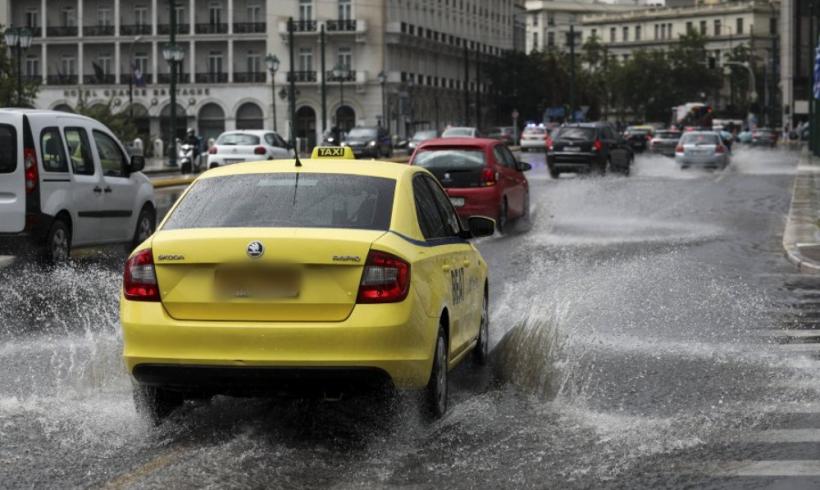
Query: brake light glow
{"x":140,"y":278}
{"x":679,"y":149}
{"x":597,"y":146}
{"x":213,"y":150}
{"x":488,"y":177}
{"x":386,"y":279}
{"x":259,"y":150}
{"x":720,"y":149}
{"x":30,"y":165}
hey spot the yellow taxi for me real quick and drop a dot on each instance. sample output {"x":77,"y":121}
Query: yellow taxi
{"x":321,"y":275}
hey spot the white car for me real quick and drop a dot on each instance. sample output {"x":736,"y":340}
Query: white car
{"x":535,"y":138}
{"x":66,"y":181}
{"x":247,"y":146}
{"x":461,"y":132}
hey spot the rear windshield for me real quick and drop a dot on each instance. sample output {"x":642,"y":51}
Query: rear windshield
{"x":585,"y":134}
{"x":238,"y":139}
{"x":699,"y":139}
{"x":459,"y":132}
{"x":287,"y":200}
{"x":451,"y":159}
{"x":8,"y":149}
{"x":668,"y":135}
{"x":535,"y":131}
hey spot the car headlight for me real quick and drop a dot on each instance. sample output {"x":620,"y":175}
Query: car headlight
{"x":372,"y":143}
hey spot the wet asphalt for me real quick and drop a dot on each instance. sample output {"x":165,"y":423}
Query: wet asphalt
{"x":639,"y":341}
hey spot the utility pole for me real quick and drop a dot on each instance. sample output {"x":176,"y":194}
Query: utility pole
{"x":324,"y":75}
{"x":292,"y":94}
{"x":466,"y":85}
{"x":572,"y":73}
{"x":172,"y":41}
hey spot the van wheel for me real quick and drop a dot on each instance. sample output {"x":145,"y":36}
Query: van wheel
{"x":58,"y":243}
{"x":437,"y":388}
{"x":155,"y":404}
{"x":481,"y":352}
{"x":146,"y":224}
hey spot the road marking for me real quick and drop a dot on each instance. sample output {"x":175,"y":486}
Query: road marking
{"x":769,"y":468}
{"x":797,"y":408}
{"x":797,"y":334}
{"x":778,"y":436}
{"x":163,"y":460}
{"x":807,"y":348}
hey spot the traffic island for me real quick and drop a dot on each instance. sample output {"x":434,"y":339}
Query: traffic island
{"x":801,"y":239}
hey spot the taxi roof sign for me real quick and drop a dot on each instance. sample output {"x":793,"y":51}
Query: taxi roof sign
{"x":342,"y":152}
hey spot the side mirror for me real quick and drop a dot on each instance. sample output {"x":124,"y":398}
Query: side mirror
{"x":137,"y":163}
{"x":480,"y":226}
{"x":524,"y":166}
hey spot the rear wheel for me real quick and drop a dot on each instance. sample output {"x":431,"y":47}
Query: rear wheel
{"x":481,"y":352}
{"x":146,"y":224}
{"x":155,"y":404}
{"x":57,"y":249}
{"x":437,"y":388}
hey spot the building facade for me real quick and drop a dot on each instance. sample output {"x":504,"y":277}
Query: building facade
{"x":800,"y":28}
{"x":548,"y":21}
{"x":107,"y":51}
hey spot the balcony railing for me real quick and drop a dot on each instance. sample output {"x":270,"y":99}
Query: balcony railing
{"x":126,"y":77}
{"x":32,"y":78}
{"x":302,"y":76}
{"x":98,"y":80}
{"x":340,"y":25}
{"x":211,"y":78}
{"x":98,"y":30}
{"x":181,"y":28}
{"x":248,"y":27}
{"x":61,"y":31}
{"x":135,"y":29}
{"x":304,"y":26}
{"x":211,"y":28}
{"x":249,"y":77}
{"x":351,"y":77}
{"x":163,"y":78}
{"x":36,"y":31}
{"x":62,"y":79}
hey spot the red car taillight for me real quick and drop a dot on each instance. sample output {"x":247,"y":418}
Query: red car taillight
{"x":30,"y":165}
{"x":597,"y":146}
{"x":488,"y":177}
{"x":679,"y":149}
{"x":259,"y":150}
{"x":140,"y":278}
{"x":213,"y":150}
{"x":720,"y":149}
{"x":386,"y":279}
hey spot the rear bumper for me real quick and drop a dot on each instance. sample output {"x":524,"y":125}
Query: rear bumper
{"x":28,"y":240}
{"x":396,"y":339}
{"x":540,"y":144}
{"x":707,"y":162}
{"x":573,"y":161}
{"x":665,"y":151}
{"x":481,"y":201}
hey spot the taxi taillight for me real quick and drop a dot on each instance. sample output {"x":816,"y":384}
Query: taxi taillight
{"x":140,"y":278}
{"x":386,"y":279}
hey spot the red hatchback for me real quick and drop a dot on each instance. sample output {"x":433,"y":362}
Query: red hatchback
{"x":481,"y":176}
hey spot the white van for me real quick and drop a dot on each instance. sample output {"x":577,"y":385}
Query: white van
{"x":66,"y":181}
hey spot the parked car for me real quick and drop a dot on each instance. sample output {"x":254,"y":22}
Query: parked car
{"x":420,"y":137}
{"x":66,"y":181}
{"x":588,"y":147}
{"x":369,"y":142}
{"x":765,"y":137}
{"x":505,"y":134}
{"x":535,"y":138}
{"x":481,"y":176}
{"x":702,"y":149}
{"x":461,"y":132}
{"x":247,"y":146}
{"x":639,"y":137}
{"x":664,"y":142}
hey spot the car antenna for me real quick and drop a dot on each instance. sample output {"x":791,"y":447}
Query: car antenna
{"x":298,"y":162}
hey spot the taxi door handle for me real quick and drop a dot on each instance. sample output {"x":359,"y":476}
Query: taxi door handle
{"x":446,"y":267}
{"x":466,"y":263}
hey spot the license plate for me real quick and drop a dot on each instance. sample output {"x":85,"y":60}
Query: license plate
{"x":258,"y":282}
{"x":572,"y":148}
{"x":457,"y":201}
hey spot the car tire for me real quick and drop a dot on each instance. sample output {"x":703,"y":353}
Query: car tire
{"x":146,"y":225}
{"x":481,"y":352}
{"x":503,"y":217}
{"x":57,"y":246}
{"x":555,"y":173}
{"x":155,"y":404}
{"x":436,"y":394}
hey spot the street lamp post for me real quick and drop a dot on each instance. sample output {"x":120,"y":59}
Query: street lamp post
{"x":340,"y":72}
{"x":382,"y":81}
{"x":273,"y":66}
{"x":131,"y":77}
{"x":174,"y":55}
{"x":18,"y":38}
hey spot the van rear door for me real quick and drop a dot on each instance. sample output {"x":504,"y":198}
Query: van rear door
{"x":12,"y":174}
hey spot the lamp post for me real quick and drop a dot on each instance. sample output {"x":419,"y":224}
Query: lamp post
{"x":340,"y":72}
{"x":131,"y":77}
{"x":18,"y":38}
{"x":273,"y":66}
{"x":173,"y":55}
{"x":383,"y":81}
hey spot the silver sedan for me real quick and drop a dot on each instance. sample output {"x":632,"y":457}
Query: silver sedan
{"x":702,"y":149}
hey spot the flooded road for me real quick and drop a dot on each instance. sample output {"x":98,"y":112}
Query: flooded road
{"x":637,"y":343}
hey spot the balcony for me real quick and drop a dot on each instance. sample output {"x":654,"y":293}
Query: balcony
{"x":63,"y":31}
{"x":98,"y":79}
{"x":211,"y":28}
{"x":61,"y":80}
{"x":302,"y":76}
{"x":165,"y":78}
{"x":341,"y":25}
{"x":249,"y":77}
{"x":135,"y":30}
{"x":248,"y":27}
{"x":181,"y":28}
{"x":304,"y":26}
{"x":351,"y":77}
{"x":211,"y":78}
{"x":98,"y":30}
{"x":125,"y":78}
{"x":35,"y":31}
{"x":32,"y":78}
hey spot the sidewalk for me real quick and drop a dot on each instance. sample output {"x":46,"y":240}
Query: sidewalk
{"x":801,"y":239}
{"x":157,"y":165}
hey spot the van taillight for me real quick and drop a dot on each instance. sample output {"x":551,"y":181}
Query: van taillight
{"x":386,"y":279}
{"x":30,"y":165}
{"x":488,"y":177}
{"x":140,"y":279}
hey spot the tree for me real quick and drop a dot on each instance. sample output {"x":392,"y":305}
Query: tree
{"x":8,"y":81}
{"x":119,"y":123}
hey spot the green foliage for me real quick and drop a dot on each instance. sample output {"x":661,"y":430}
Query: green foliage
{"x":119,"y":123}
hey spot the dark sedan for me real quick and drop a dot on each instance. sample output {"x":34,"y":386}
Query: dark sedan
{"x":588,"y":147}
{"x":369,"y":142}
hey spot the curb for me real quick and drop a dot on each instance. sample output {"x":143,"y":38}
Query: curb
{"x":172,"y":182}
{"x":801,"y":224}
